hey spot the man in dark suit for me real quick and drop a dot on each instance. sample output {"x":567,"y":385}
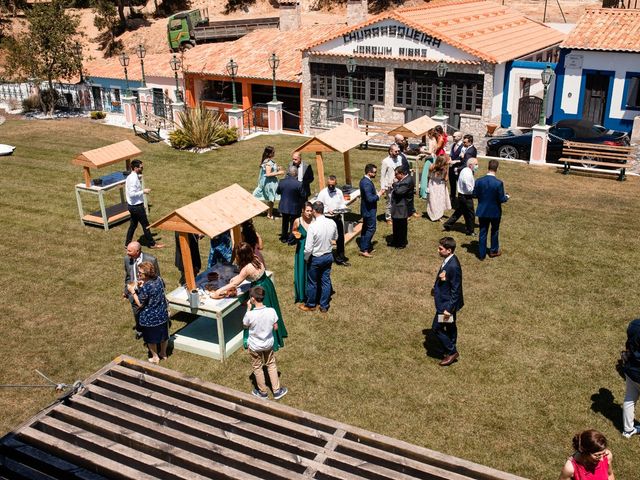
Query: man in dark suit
{"x":454,"y":166}
{"x":468,"y":151}
{"x":368,"y":208}
{"x":305,"y":173}
{"x":292,"y":197}
{"x":490,"y":194}
{"x":132,"y":260}
{"x":401,"y":203}
{"x":447,"y":293}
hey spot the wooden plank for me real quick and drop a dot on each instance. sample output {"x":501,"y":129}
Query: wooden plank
{"x":356,"y":231}
{"x":187,"y":263}
{"x":87,"y":176}
{"x":86,"y":458}
{"x":595,"y":154}
{"x":174,"y":428}
{"x":347,"y":168}
{"x":320,"y":170}
{"x":92,"y":442}
{"x":115,"y":213}
{"x":595,"y":162}
{"x":107,"y":155}
{"x":142,"y":443}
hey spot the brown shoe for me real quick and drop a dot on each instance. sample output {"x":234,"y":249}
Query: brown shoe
{"x":365,"y":254}
{"x":157,"y":245}
{"x":449,"y":359}
{"x":494,"y":255}
{"x":304,"y":308}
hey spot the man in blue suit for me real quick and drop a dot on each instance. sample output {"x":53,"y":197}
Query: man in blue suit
{"x":292,"y":196}
{"x":447,"y":293}
{"x":368,"y":208}
{"x":490,"y":194}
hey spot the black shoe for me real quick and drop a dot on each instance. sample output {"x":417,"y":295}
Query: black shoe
{"x":446,"y":228}
{"x":344,"y":263}
{"x":138,"y":335}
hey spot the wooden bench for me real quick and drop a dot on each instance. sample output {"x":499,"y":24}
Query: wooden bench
{"x":150,"y":133}
{"x":597,"y":155}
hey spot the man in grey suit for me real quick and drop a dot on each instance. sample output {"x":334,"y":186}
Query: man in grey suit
{"x":305,"y":173}
{"x":401,"y":205}
{"x":132,"y":260}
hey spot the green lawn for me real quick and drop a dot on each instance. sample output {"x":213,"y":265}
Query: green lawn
{"x":539,"y":334}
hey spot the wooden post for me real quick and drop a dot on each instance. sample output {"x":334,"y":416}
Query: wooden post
{"x":320,"y":169}
{"x":236,"y":239}
{"x":347,"y":168}
{"x":187,"y":263}
{"x":87,"y":176}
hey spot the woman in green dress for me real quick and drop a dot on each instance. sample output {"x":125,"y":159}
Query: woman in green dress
{"x":252,"y":270}
{"x":300,"y":227}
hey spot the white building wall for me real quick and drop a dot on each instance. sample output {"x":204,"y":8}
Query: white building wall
{"x":498,"y":91}
{"x":620,"y":63}
{"x":537,"y":90}
{"x":168,"y":85}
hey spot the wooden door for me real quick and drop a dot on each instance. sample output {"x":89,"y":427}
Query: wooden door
{"x":529,"y":108}
{"x":595,"y":98}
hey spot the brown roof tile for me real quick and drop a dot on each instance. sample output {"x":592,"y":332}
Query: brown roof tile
{"x":155,"y":65}
{"x":252,"y":53}
{"x":611,"y":29}
{"x":482,"y":28}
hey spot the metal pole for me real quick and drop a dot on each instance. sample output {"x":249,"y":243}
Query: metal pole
{"x":543,"y":117}
{"x":126,"y":77}
{"x":350,"y":91}
{"x":440,"y":111}
{"x":274,"y":85}
{"x":233,"y":91}
{"x":178,"y":92}
{"x":144,"y":82}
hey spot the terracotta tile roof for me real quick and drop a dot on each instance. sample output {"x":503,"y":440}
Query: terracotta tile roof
{"x":252,"y":52}
{"x":490,"y":31}
{"x":611,"y":29}
{"x":391,"y":57}
{"x":155,"y":65}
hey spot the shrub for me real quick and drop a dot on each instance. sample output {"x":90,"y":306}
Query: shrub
{"x":201,"y":128}
{"x":229,"y":135}
{"x":31,"y":103}
{"x":97,"y":115}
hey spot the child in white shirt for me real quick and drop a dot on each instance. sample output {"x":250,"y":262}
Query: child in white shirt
{"x":261,"y":322}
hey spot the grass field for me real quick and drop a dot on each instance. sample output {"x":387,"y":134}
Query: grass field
{"x":539,"y":334}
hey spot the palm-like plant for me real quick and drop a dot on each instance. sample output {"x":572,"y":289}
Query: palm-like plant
{"x":201,"y":128}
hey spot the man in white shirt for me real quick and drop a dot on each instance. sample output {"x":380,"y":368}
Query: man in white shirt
{"x":333,"y":199}
{"x":387,"y":174}
{"x":464,"y":207}
{"x":317,"y":253}
{"x":135,"y":204}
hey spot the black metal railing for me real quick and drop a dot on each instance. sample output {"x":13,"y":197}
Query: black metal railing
{"x":255,"y":118}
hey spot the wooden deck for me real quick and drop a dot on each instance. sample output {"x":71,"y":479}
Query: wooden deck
{"x":136,"y":420}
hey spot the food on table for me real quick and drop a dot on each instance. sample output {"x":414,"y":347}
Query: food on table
{"x":211,"y":276}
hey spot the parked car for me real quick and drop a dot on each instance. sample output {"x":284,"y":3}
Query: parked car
{"x":518,"y":146}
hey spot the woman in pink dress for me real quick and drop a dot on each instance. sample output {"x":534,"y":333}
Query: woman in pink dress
{"x":591,"y":459}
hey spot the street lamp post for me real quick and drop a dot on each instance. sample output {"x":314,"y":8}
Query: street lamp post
{"x":232,"y":70}
{"x":124,"y":61}
{"x":441,"y":70}
{"x":77,"y":49}
{"x":175,"y":64}
{"x":141,"y":52}
{"x":274,"y":63}
{"x":547,"y":75}
{"x":351,"y":69}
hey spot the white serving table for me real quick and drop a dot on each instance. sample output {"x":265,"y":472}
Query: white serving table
{"x":217,"y":331}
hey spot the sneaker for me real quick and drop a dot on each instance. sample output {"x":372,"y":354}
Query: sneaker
{"x":281,"y":392}
{"x":635,"y":431}
{"x":257,"y":393}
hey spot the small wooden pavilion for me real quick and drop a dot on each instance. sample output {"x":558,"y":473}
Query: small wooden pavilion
{"x":135,"y":420}
{"x":417,"y":128}
{"x":219,"y":212}
{"x":340,"y":139}
{"x":97,"y":159}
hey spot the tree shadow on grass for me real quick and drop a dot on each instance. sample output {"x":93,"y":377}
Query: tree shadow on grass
{"x":431,"y":344}
{"x":603,"y":402}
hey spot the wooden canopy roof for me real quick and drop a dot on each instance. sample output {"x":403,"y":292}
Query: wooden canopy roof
{"x":340,"y":139}
{"x":136,"y":420}
{"x":415,"y":128}
{"x":103,"y":156}
{"x":214,"y":214}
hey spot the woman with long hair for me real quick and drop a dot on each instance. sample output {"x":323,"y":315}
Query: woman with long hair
{"x":591,"y":459}
{"x":149,"y":296}
{"x":300,"y":227}
{"x":268,"y":179}
{"x":252,"y":270}
{"x":253,"y":238}
{"x":438,"y":199}
{"x":441,"y":140}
